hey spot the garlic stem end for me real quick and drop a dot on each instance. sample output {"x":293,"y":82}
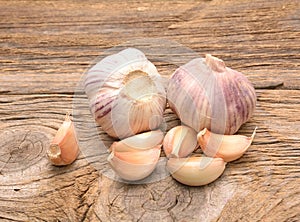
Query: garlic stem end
{"x":110,"y":157}
{"x":215,"y":63}
{"x":254,"y":133}
{"x":201,"y":133}
{"x":67,"y":118}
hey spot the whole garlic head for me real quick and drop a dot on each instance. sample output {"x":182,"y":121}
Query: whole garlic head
{"x":204,"y":93}
{"x":126,"y":94}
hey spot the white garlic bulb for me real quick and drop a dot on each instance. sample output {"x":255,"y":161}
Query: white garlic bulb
{"x":126,"y":94}
{"x":204,"y":93}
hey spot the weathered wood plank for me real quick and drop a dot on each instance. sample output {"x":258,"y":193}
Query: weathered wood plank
{"x":274,"y":154}
{"x":54,"y":41}
{"x":46,"y":46}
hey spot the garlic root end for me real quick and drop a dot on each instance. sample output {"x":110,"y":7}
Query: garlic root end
{"x":54,"y":155}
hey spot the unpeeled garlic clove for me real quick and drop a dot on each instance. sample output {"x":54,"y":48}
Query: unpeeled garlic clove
{"x":64,"y":148}
{"x":134,"y":166}
{"x":180,"y":141}
{"x":139,"y":142}
{"x":227,"y":147}
{"x":196,"y":171}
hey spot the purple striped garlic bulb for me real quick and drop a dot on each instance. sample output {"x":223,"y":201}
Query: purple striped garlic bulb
{"x":126,"y":94}
{"x":204,"y":93}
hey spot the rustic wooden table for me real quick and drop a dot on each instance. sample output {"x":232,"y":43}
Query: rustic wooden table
{"x":46,"y":46}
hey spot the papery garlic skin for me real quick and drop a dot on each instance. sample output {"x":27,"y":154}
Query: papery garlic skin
{"x":204,"y":93}
{"x":139,"y":142}
{"x":64,"y":148}
{"x":196,"y":171}
{"x":180,"y":141}
{"x":227,"y":147}
{"x":126,"y":94}
{"x":133,"y":166}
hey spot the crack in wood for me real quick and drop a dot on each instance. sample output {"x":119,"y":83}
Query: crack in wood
{"x":268,"y":85}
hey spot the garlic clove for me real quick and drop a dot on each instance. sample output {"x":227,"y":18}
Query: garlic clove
{"x":140,"y":157}
{"x":134,"y":166}
{"x":64,"y":148}
{"x":196,"y":171}
{"x":227,"y":147}
{"x":126,"y":93}
{"x":180,"y":141}
{"x":139,"y":142}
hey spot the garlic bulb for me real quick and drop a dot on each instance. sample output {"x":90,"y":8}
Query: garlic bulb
{"x":227,"y":147}
{"x":126,"y":94}
{"x":196,"y":170}
{"x":133,"y":166}
{"x":204,"y":93}
{"x":180,"y":141}
{"x":139,"y":142}
{"x":64,"y":148}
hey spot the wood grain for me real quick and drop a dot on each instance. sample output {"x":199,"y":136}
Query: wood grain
{"x":45,"y":48}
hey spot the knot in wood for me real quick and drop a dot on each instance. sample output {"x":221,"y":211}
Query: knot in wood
{"x":20,"y":149}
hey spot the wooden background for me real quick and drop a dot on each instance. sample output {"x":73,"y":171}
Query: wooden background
{"x":46,"y":46}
